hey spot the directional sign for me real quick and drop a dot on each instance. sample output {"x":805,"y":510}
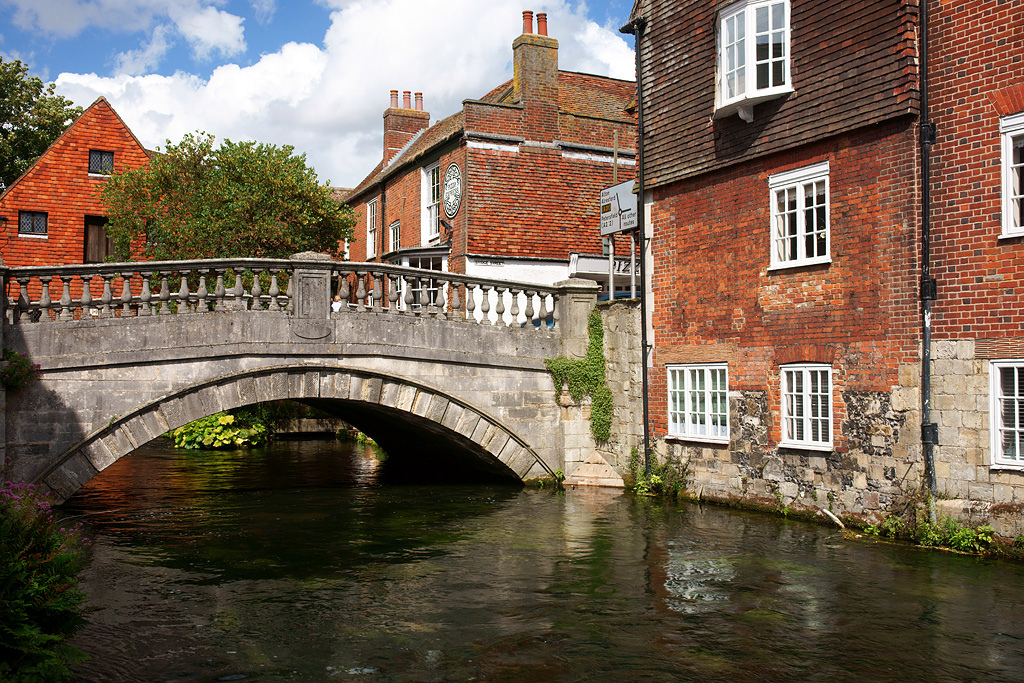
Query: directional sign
{"x":618,"y":208}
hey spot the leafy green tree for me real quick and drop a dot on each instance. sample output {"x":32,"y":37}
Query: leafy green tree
{"x":31,"y":118}
{"x":241,"y":199}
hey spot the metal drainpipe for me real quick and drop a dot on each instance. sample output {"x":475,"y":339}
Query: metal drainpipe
{"x":636,"y":28}
{"x":929,"y":288}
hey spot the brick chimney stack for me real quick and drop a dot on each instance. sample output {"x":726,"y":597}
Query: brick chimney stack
{"x":535,"y":78}
{"x":401,"y":124}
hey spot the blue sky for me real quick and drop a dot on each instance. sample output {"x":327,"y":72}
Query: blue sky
{"x":315,"y":75}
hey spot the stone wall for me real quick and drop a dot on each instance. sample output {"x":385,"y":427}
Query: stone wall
{"x":623,"y":374}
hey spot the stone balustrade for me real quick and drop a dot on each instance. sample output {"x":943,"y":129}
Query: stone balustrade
{"x":59,"y":294}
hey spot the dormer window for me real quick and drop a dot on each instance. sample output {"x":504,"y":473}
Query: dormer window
{"x":101,"y":162}
{"x":753,"y":56}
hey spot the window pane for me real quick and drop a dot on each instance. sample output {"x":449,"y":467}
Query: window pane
{"x":761,"y":20}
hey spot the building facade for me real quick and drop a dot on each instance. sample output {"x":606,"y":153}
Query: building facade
{"x":782,"y":165}
{"x":507,"y":187}
{"x":52,"y":214}
{"x":784,"y":169}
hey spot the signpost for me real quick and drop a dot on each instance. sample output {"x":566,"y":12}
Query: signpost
{"x":618,"y":214}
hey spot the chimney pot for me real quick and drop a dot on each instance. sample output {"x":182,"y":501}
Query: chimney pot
{"x":419,"y":101}
{"x":406,"y":99}
{"x":527,"y":22}
{"x":394,"y":99}
{"x":542,"y":23}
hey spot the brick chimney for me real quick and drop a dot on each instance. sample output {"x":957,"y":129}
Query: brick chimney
{"x":535,"y":78}
{"x":401,"y":124}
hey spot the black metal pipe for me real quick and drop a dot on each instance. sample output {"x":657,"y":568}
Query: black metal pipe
{"x":929,"y":431}
{"x":636,"y":28}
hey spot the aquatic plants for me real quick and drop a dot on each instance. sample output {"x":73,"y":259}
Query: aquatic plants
{"x":661,"y":478}
{"x":40,"y":600}
{"x":222,"y":430}
{"x":586,"y":377}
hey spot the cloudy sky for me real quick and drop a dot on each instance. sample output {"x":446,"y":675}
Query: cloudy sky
{"x":313,"y":74}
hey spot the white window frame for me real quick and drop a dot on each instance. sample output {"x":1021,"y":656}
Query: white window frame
{"x":34,"y":218}
{"x":1011,"y":131}
{"x":997,"y":426}
{"x":430,"y":203}
{"x":797,"y":182}
{"x":395,"y":236}
{"x":371,"y":228}
{"x":801,"y":406}
{"x":742,"y":62}
{"x":698,"y":402}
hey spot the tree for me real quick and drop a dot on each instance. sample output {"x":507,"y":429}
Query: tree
{"x":241,"y":199}
{"x":31,"y":118}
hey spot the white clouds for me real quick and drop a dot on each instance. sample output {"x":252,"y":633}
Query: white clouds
{"x":328,"y":100}
{"x":210,"y":30}
{"x":147,"y":57}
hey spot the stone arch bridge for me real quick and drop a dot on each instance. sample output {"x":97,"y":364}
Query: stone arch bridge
{"x":446,"y":362}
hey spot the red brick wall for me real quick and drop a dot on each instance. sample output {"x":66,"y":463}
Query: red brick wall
{"x":714,"y":300}
{"x":59,"y":184}
{"x":976,"y":53}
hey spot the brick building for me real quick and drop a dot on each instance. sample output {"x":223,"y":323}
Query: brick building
{"x":782,"y":170}
{"x":976,"y":100}
{"x":507,"y":187}
{"x":52,"y":214}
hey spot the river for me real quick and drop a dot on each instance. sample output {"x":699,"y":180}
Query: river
{"x":293,"y":563}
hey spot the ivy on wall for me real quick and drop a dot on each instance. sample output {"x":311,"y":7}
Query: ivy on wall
{"x":585,"y":377}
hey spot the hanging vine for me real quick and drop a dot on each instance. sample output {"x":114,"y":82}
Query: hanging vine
{"x":585,"y":377}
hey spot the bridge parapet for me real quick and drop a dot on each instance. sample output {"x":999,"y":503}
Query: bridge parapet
{"x":61,"y":294}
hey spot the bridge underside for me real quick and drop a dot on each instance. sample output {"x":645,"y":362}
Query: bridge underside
{"x":422,"y":427}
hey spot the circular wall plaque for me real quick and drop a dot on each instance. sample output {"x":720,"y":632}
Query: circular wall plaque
{"x":451,"y":196}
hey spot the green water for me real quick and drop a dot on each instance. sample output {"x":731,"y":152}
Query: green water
{"x":292,"y":563}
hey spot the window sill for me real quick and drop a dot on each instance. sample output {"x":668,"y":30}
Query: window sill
{"x":102,"y":176}
{"x":1007,"y":235}
{"x":820,"y":447}
{"x":1005,"y":466}
{"x":33,"y":237}
{"x":745,"y":106}
{"x":696,"y":438}
{"x":789,"y":265}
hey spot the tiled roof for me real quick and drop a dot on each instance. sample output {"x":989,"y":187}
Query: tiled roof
{"x":579,"y":94}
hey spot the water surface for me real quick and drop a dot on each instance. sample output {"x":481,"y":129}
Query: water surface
{"x":291,"y":563}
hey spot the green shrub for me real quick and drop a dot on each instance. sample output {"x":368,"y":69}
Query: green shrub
{"x":664,"y":478}
{"x":222,"y":430}
{"x":40,"y":601}
{"x":18,"y":371}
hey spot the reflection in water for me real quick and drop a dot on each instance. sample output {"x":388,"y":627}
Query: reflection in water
{"x":291,"y":563}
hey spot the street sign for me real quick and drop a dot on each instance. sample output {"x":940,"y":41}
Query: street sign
{"x":618,"y":208}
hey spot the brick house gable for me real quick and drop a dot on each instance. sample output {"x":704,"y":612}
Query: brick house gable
{"x":59,"y":185}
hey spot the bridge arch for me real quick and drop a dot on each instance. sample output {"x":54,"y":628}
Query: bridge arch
{"x":375,"y":397}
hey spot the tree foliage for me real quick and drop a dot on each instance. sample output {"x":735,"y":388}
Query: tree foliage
{"x":31,"y":118}
{"x":241,"y":199}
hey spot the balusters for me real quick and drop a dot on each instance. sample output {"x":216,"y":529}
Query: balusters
{"x":410,"y":296}
{"x":485,"y":305}
{"x":183,"y":292}
{"x":377,"y":292}
{"x":44,"y":299}
{"x":23,"y":300}
{"x":514,"y":311}
{"x":392,"y":294}
{"x":256,"y":292}
{"x":86,"y":300}
{"x":165,"y":293}
{"x":289,"y":294}
{"x":145,"y":296}
{"x":361,"y":293}
{"x":426,"y":300}
{"x":542,"y":313}
{"x":106,"y":297}
{"x":274,"y":293}
{"x":218,"y":289}
{"x":126,"y":295}
{"x":529,"y":308}
{"x":471,"y":303}
{"x":239,"y":290}
{"x":440,"y":300}
{"x":65,"y":298}
{"x":456,"y":303}
{"x":202,"y":305}
{"x":499,"y":307}
{"x":343,"y":290}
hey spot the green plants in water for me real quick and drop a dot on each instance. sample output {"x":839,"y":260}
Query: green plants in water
{"x":666,"y":478}
{"x":40,"y":600}
{"x":222,"y":430}
{"x":910,"y":522}
{"x":18,"y":370}
{"x":586,"y":377}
